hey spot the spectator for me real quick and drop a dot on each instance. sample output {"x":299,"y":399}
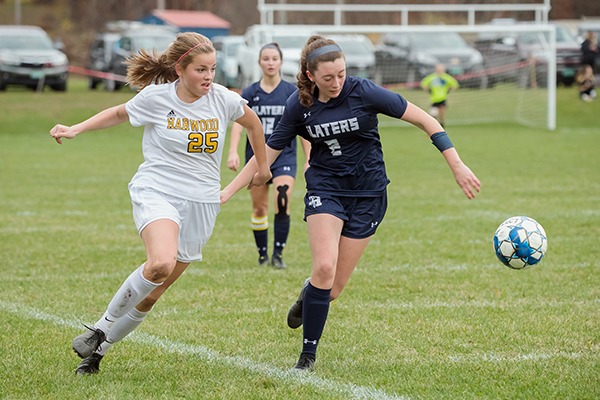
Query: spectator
{"x":585,"y":82}
{"x":589,"y":48}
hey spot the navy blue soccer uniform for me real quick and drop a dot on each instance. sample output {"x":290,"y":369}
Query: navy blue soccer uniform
{"x":346,"y":159}
{"x":269,"y":107}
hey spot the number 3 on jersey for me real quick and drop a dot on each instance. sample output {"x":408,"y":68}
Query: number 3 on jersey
{"x":197,"y":140}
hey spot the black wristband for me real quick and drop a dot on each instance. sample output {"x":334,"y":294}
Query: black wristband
{"x":441,"y":141}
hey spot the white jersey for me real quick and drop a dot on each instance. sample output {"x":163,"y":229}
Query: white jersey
{"x":183,"y":142}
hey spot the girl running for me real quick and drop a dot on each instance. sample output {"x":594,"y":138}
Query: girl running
{"x":175,"y":192}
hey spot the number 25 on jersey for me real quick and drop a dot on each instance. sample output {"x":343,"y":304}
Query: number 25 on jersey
{"x":206,"y":142}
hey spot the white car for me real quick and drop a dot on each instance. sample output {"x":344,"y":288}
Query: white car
{"x":291,"y":42}
{"x":227,"y":66}
{"x":29,"y":58}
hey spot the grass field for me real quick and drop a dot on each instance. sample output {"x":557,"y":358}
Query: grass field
{"x":430,"y":313}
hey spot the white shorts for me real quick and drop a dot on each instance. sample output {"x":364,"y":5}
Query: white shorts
{"x":196,"y":220}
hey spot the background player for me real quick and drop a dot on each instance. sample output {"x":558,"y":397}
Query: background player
{"x":175,"y":192}
{"x":346,"y":182}
{"x":267,"y":98}
{"x":439,"y":84}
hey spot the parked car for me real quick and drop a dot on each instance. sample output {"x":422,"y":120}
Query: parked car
{"x":411,"y":56}
{"x":504,"y":49}
{"x":227,"y":67}
{"x":28,"y":57}
{"x":132,"y":41}
{"x":360,"y":54}
{"x":99,"y":55}
{"x":291,"y":42}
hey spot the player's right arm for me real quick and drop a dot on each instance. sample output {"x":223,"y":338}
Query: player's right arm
{"x":104,"y":119}
{"x":233,"y":161}
{"x":246,"y":175}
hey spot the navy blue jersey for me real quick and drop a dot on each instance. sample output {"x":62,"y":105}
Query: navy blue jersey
{"x":346,"y":158}
{"x":269,"y":108}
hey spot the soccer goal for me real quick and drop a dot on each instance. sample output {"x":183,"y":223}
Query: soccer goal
{"x":506,"y":70}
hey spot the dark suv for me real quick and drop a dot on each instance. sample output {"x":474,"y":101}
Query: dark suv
{"x":410,"y":56}
{"x":132,"y":41}
{"x":503,"y":50}
{"x":100,"y":54}
{"x":28,"y":57}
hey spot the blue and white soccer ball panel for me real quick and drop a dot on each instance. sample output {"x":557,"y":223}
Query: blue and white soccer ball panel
{"x":520,"y":242}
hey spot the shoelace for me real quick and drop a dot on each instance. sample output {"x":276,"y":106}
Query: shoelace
{"x":97,"y":335}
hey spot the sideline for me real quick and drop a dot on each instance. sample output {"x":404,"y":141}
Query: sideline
{"x":345,"y":389}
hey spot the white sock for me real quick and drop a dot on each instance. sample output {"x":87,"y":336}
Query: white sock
{"x":134,"y":289}
{"x":124,"y":327}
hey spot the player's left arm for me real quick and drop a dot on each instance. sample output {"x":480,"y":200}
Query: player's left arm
{"x":256,"y":136}
{"x":465,"y":178}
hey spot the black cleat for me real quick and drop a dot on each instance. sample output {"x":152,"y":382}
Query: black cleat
{"x":263,"y":260}
{"x":88,"y":342}
{"x":90,"y":365}
{"x":277,"y":262}
{"x":294,"y":318}
{"x":305,"y":363}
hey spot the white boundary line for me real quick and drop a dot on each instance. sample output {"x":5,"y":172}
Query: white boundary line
{"x":346,"y":389}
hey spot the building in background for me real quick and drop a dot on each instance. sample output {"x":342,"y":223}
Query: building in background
{"x":203,"y":22}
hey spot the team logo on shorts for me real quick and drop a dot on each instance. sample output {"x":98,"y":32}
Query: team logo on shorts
{"x":314,"y":201}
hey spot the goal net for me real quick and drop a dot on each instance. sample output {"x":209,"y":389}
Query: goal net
{"x":505,"y":73}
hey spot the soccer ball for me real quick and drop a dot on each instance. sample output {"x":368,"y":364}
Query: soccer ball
{"x":520,"y":242}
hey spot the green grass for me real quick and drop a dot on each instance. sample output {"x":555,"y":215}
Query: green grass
{"x":430,"y":313}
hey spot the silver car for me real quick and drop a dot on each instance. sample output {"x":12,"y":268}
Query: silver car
{"x":28,"y":57}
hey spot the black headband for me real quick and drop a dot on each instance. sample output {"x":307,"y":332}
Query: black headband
{"x":271,"y":46}
{"x":329,"y":48}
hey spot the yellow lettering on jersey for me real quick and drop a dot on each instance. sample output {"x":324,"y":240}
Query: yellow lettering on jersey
{"x":178,"y":124}
{"x":170,"y":122}
{"x":195,"y":144}
{"x":186,"y":124}
{"x":211,"y":142}
{"x":194,"y":125}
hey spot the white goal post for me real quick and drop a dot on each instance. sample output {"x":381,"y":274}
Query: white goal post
{"x":520,"y":88}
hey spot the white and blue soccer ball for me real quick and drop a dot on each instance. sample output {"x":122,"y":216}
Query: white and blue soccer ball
{"x":520,"y":242}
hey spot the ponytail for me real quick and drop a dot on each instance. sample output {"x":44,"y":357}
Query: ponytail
{"x":145,"y":67}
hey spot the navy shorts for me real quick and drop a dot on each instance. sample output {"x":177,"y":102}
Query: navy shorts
{"x":361,"y":215}
{"x":285,"y":164}
{"x":439,"y":104}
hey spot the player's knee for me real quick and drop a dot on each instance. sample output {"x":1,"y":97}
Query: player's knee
{"x":260,"y":210}
{"x":159,"y":269}
{"x":325,"y":271}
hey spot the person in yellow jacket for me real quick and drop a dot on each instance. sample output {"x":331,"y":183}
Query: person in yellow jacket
{"x":439,"y":84}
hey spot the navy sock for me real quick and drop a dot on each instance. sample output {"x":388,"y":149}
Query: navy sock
{"x":314,"y":316}
{"x":262,"y":241}
{"x":260,"y":229}
{"x":281,"y":232}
